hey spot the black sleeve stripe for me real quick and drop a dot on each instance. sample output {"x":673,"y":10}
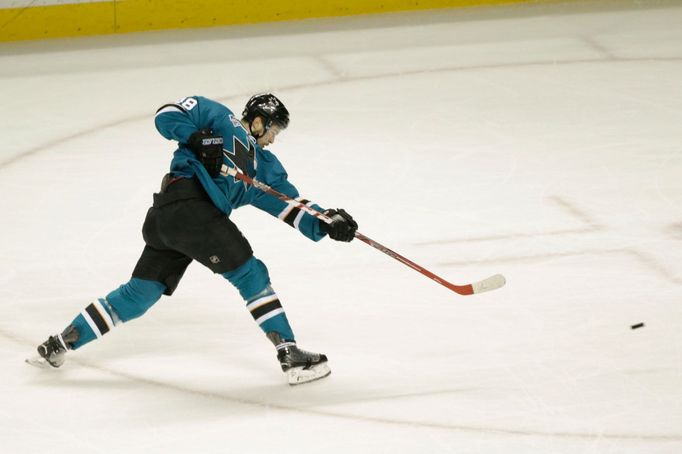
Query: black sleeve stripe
{"x":291,"y":216}
{"x":177,"y":106}
{"x":264,"y":309}
{"x":97,"y":318}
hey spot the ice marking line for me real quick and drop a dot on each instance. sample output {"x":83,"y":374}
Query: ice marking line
{"x":58,"y":141}
{"x":592,"y":226}
{"x":575,"y":211}
{"x":643,"y":259}
{"x":654,"y":264}
{"x":582,"y":216}
{"x":511,"y":236}
{"x":371,"y":419}
{"x":599,"y":47}
{"x":329,"y":66}
{"x":535,"y":257}
{"x":344,"y":80}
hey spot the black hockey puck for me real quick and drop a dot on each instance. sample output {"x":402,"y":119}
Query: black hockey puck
{"x":638,"y":325}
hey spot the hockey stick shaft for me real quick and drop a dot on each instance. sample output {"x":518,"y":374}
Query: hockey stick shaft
{"x":491,"y":283}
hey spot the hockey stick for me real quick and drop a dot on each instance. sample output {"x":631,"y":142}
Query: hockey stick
{"x":490,"y":283}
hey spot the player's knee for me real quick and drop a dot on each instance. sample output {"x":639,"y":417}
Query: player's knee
{"x":250,"y":279}
{"x":134,"y":298}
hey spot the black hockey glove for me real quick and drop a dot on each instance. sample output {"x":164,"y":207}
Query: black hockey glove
{"x":343,"y":226}
{"x":208,"y":147}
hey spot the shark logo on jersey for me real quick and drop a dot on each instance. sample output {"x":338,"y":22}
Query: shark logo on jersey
{"x":236,"y":123}
{"x":243,"y":157}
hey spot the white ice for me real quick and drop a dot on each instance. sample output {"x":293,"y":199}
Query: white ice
{"x":543,"y":143}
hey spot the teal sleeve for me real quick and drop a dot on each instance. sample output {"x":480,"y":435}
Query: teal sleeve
{"x":178,"y":121}
{"x":271,"y":172}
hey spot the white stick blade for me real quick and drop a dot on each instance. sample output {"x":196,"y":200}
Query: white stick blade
{"x":491,"y":283}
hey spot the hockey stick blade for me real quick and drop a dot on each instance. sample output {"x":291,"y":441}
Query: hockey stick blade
{"x":488,"y":284}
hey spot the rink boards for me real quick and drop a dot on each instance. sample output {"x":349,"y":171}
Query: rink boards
{"x":26,"y":19}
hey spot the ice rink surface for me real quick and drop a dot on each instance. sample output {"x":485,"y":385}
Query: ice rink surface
{"x":544,"y":143}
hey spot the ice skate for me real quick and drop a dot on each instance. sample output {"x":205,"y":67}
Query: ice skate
{"x":299,"y":365}
{"x":302,"y":366}
{"x":50,"y":353}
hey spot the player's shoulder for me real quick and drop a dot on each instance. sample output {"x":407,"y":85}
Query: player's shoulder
{"x":270,"y":166}
{"x":266,"y":155}
{"x":202,"y":104}
{"x":211,"y":104}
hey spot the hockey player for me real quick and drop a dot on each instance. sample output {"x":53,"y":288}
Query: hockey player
{"x":189,"y":220}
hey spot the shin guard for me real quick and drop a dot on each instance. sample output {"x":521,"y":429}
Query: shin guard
{"x":253,"y":282}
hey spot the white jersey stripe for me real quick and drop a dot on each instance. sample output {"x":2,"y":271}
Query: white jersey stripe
{"x":285,"y":212}
{"x":269,"y":315}
{"x":300,"y":215}
{"x":105,"y":315}
{"x":92,"y":324}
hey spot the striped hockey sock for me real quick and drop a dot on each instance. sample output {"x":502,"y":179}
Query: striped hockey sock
{"x":97,"y":319}
{"x":268,"y":312}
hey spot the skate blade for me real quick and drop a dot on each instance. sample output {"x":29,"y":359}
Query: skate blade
{"x":299,"y":375}
{"x":38,"y":361}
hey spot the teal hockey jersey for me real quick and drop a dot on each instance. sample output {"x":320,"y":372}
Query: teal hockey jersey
{"x":177,"y":121}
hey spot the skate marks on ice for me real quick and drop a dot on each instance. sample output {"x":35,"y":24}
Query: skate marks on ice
{"x":370,"y":396}
{"x":674,"y":231}
{"x":578,"y":213}
{"x":591,"y":228}
{"x":339,"y":77}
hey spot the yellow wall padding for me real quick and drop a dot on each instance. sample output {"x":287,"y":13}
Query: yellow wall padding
{"x":122,"y":16}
